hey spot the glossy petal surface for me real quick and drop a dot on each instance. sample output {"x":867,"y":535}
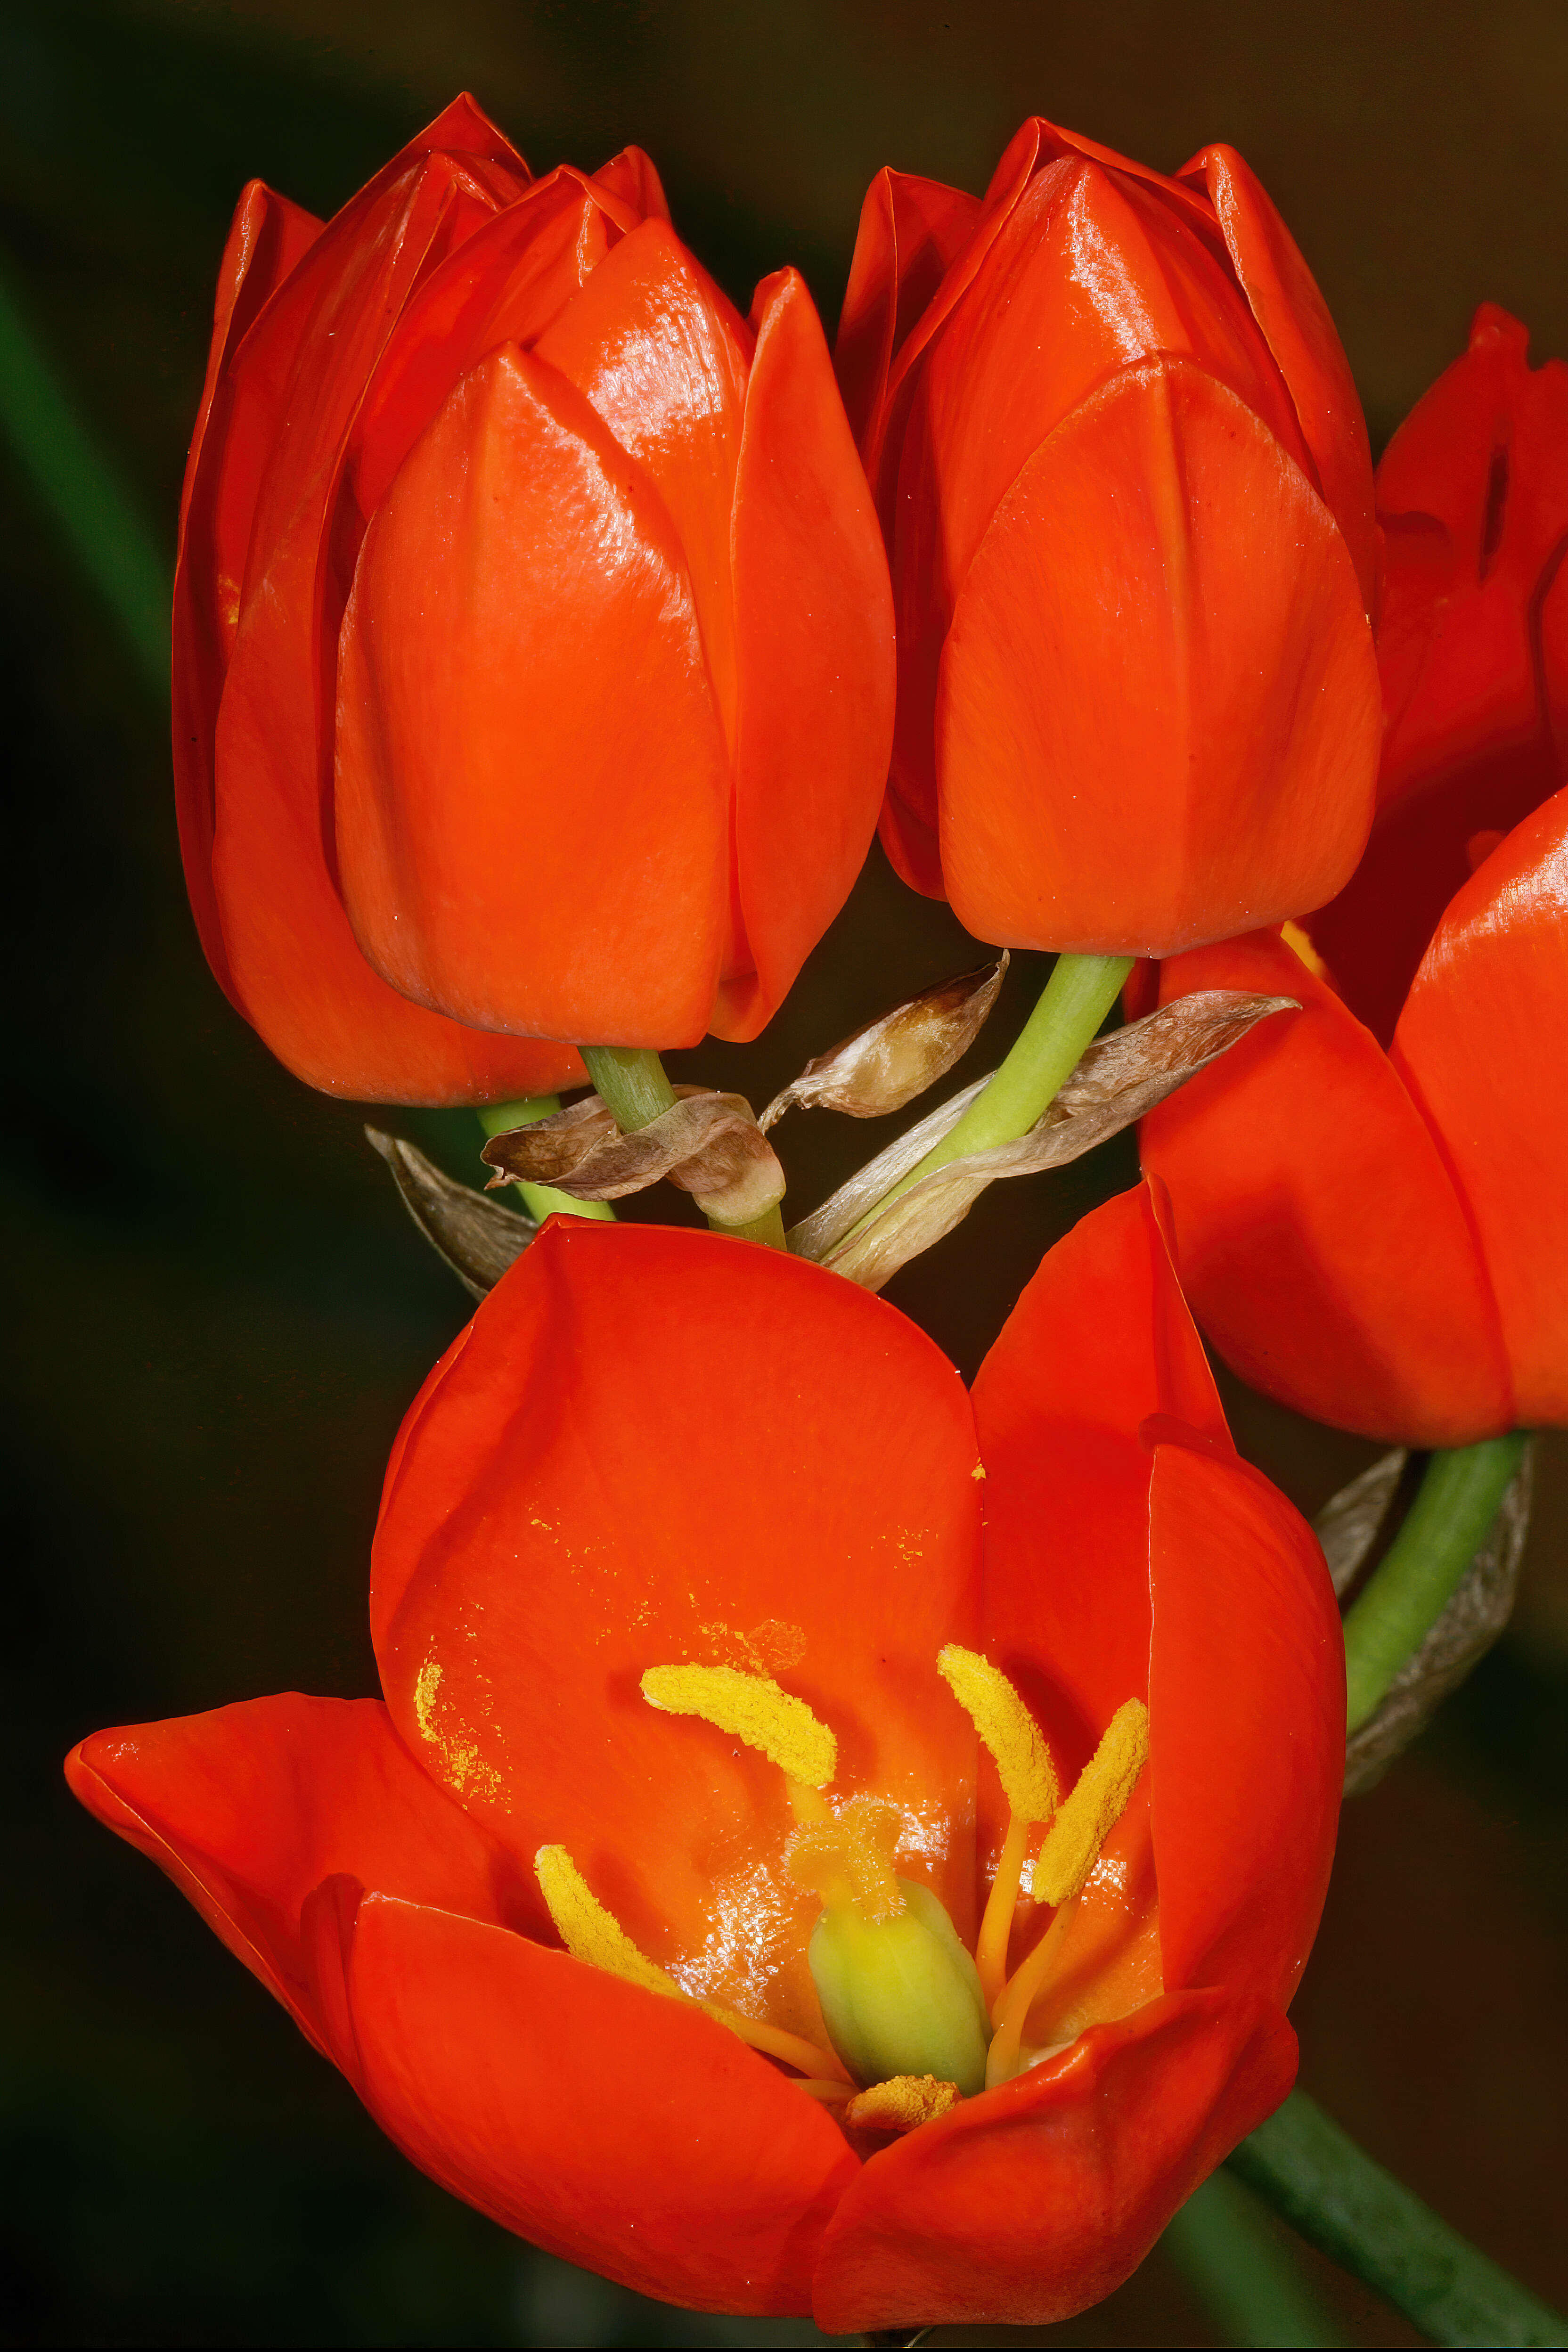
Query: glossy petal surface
{"x":1295,"y":321}
{"x":814,"y":631}
{"x":1483,"y":1045}
{"x":1160,"y":517}
{"x":911,"y":230}
{"x":1021,"y":2207}
{"x":1318,"y":1234}
{"x":752,"y":1464}
{"x":611,"y":2126}
{"x":520,"y":657}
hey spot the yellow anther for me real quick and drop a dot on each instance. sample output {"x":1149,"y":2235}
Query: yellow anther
{"x":1007,"y":1727}
{"x":588,"y":1930}
{"x":1088,"y":1817}
{"x":901,"y":2103}
{"x":752,"y":1708}
{"x":849,"y":1858}
{"x":1301,"y":948}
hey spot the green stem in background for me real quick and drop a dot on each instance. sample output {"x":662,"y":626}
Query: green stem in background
{"x":1316,"y":2178}
{"x":1443,"y":1530}
{"x":1244,"y":2270}
{"x":541,"y":1200}
{"x":83,"y":494}
{"x":630,"y":1081}
{"x":1076,"y":999}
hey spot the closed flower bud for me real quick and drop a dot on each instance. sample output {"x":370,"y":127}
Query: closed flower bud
{"x":1124,"y":480}
{"x":533,"y":660}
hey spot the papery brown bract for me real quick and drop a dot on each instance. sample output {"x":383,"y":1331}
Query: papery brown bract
{"x":1124,"y":482}
{"x":1372,"y":1202}
{"x":534,"y":670}
{"x":579,"y":1492}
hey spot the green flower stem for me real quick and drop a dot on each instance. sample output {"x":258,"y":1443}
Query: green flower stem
{"x":541,"y":1200}
{"x":630,"y":1080}
{"x":1316,"y":2178}
{"x":1076,"y":999}
{"x":84,"y":495}
{"x":1444,"y":1528}
{"x":1245,"y":2270}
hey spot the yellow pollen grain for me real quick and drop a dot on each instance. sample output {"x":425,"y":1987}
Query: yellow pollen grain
{"x":1096,"y":1805}
{"x":851,"y":1855}
{"x":901,"y":2103}
{"x":588,"y":1931}
{"x":1301,"y":948}
{"x":1007,"y":1727}
{"x":752,"y":1708}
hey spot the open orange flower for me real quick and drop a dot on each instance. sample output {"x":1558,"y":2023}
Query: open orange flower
{"x":1372,"y":1201}
{"x":735,"y":1660}
{"x":533,"y":641}
{"x":1124,"y":480}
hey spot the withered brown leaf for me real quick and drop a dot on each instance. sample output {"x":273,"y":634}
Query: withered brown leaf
{"x":887,"y":1062}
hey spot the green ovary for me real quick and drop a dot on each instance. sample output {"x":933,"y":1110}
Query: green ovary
{"x":901,"y":1996}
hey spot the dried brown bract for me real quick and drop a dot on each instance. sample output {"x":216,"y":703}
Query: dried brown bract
{"x":890,"y":1061}
{"x":709,"y":1144}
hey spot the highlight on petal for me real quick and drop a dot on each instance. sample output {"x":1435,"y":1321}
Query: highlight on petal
{"x":1482,"y":1044}
{"x":1161,"y":513}
{"x":519,"y":573}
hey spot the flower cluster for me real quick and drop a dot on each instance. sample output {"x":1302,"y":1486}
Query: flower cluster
{"x":833,"y":1842}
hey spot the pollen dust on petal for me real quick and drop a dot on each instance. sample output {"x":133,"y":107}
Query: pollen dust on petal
{"x":901,"y":2103}
{"x":463,"y":1769}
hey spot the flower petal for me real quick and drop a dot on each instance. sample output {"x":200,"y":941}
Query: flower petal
{"x":1100,"y":1342}
{"x":814,"y":629}
{"x":520,"y":665}
{"x":1159,"y":512}
{"x":1295,"y":320}
{"x":1247,"y":1715}
{"x":276,"y":439}
{"x":910,"y":231}
{"x":251,"y":1808}
{"x":657,"y":1446}
{"x":1482,"y":1044}
{"x":1021,"y":2207}
{"x":269,"y":236}
{"x":620,"y":2130}
{"x":661,"y":357}
{"x":1318,"y":1234}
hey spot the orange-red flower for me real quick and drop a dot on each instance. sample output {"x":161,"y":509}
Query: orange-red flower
{"x":655,"y":1455}
{"x":534,"y":663}
{"x":1378,"y":1237}
{"x":1124,"y":482}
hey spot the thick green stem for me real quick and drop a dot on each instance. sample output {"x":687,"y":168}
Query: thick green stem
{"x":631,"y":1082}
{"x":541,"y":1200}
{"x":1245,"y":2270}
{"x":1314,"y":2175}
{"x":1443,"y":1530}
{"x":1076,"y":999}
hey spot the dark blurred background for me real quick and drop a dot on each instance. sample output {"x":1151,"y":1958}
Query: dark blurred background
{"x":217,"y":1310}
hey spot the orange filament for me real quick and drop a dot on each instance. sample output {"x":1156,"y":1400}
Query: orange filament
{"x":1069,"y":1854}
{"x":812,"y":2061}
{"x":996,"y":1926}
